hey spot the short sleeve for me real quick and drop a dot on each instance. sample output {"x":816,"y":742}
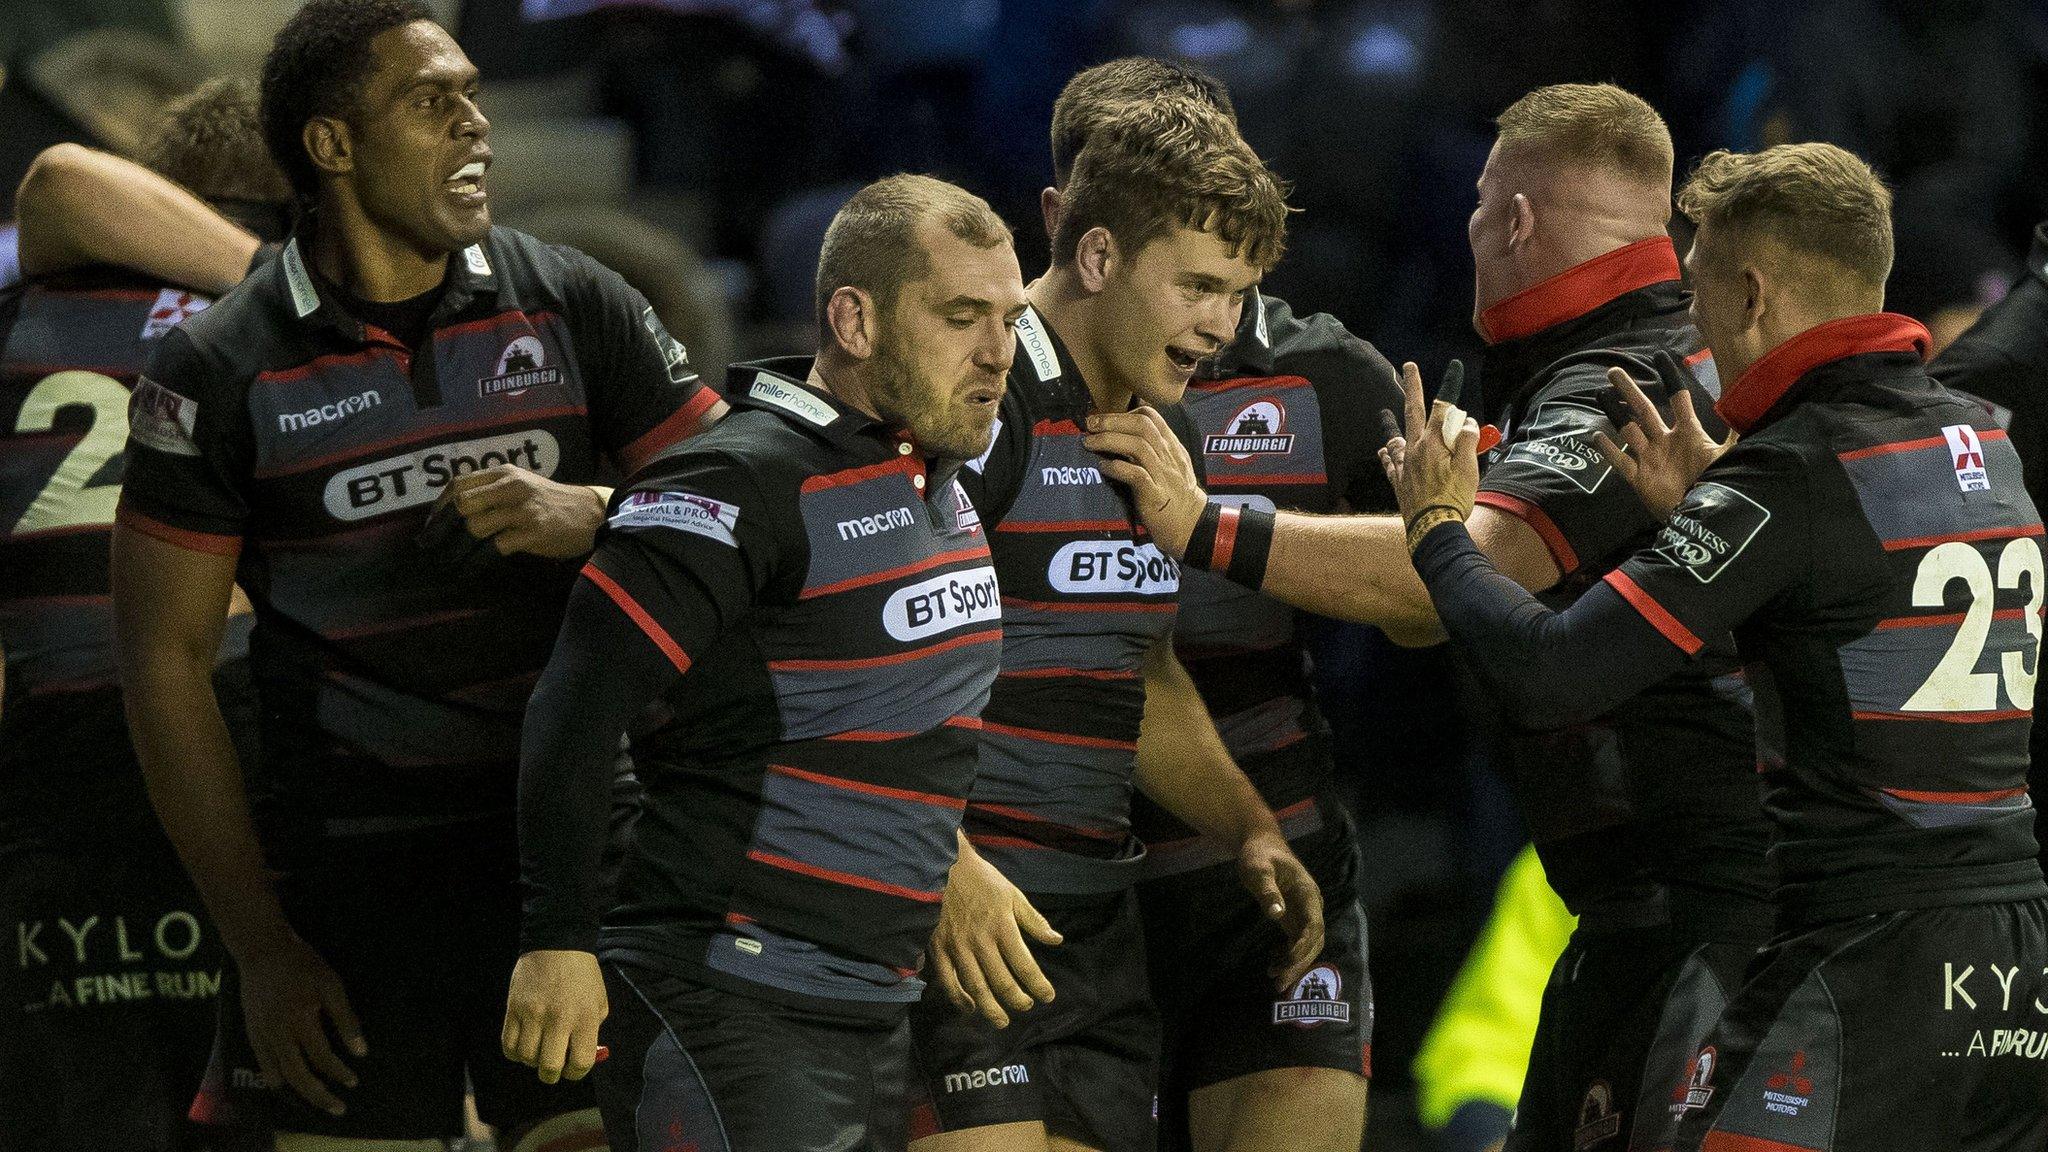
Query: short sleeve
{"x":689,"y":555}
{"x":644,"y":394}
{"x":1356,"y":384}
{"x":1552,"y":476}
{"x":1737,"y":542}
{"x":190,"y":452}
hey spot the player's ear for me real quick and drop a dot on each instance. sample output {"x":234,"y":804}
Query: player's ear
{"x":328,"y":143}
{"x":1521,"y":222}
{"x":1095,"y":257}
{"x":1050,"y":201}
{"x":850,"y":314}
{"x":1754,"y":291}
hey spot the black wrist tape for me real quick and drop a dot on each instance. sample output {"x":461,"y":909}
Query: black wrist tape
{"x":1234,"y":541}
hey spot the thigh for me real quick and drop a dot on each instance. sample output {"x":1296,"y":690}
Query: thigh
{"x":1282,"y":1110}
{"x":694,"y":1066}
{"x":1101,"y":1073}
{"x":106,"y":1014}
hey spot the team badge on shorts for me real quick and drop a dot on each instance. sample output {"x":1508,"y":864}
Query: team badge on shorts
{"x":522,"y":365}
{"x":1598,"y":1121}
{"x":1698,"y":1087}
{"x":1315,"y":999}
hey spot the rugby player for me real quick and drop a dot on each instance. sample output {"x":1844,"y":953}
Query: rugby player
{"x":1166,"y":223}
{"x":389,"y":432}
{"x":110,"y":1008}
{"x":1871,"y":546}
{"x":1276,"y":415}
{"x":807,"y":591}
{"x":1666,"y":871}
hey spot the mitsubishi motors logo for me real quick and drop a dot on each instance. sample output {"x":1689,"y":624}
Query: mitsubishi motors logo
{"x":1966,"y":451}
{"x":173,"y":307}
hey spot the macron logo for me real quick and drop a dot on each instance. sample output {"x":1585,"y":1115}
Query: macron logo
{"x":326,"y":413}
{"x":1967,"y":453}
{"x":991,"y":1077}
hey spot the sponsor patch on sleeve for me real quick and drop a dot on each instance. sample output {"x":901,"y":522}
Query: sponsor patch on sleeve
{"x":673,"y":354}
{"x":1571,"y":454}
{"x":163,"y":419}
{"x":1710,"y":528}
{"x":686,"y":511}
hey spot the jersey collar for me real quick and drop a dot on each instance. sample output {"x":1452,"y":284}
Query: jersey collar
{"x":1745,"y":403}
{"x":1578,"y":290}
{"x":470,"y":275}
{"x":782,"y":385}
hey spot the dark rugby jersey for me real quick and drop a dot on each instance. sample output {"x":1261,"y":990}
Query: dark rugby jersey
{"x":1287,"y":418}
{"x":70,"y":349}
{"x":1607,"y":815}
{"x":1871,"y":547}
{"x":394,"y":652}
{"x":1086,"y":594}
{"x":818,"y":616}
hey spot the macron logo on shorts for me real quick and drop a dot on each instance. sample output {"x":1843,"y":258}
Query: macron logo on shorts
{"x":992,"y":1077}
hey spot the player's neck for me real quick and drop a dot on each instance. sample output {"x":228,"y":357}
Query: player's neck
{"x":370,"y":262}
{"x":1072,"y":312}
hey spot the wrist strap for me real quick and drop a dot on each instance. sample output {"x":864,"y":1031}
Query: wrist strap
{"x":1427,"y":520}
{"x":1234,"y":541}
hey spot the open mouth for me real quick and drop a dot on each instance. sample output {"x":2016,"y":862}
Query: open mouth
{"x":984,"y":396}
{"x":1182,"y":359}
{"x":468,"y":179}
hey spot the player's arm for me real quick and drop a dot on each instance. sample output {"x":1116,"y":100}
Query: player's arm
{"x":1183,"y":765}
{"x":79,"y":206}
{"x":170,"y":604}
{"x":2003,"y":356}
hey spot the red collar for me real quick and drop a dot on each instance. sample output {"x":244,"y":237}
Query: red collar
{"x":1745,"y":402}
{"x":1576,"y":291}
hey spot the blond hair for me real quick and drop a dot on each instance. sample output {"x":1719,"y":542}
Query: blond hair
{"x":1599,"y":124}
{"x":1814,"y":199}
{"x":1170,"y":163}
{"x":872,"y":244}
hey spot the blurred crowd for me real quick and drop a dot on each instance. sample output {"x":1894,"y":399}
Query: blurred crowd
{"x":700,"y":147}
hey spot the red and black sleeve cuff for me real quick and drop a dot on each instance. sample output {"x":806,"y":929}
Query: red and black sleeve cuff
{"x":1234,"y":541}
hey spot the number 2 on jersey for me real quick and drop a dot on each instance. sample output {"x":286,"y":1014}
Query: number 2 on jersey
{"x":1956,"y":685}
{"x":71,"y":499}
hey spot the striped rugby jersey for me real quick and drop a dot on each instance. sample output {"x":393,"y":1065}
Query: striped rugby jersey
{"x":394,"y":654}
{"x":1871,"y":545}
{"x":831,"y":624}
{"x":1086,"y":595}
{"x":71,"y":347}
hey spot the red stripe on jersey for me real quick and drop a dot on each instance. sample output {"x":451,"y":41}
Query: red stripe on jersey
{"x":1270,"y":383}
{"x":320,"y":363}
{"x":1947,"y":717}
{"x":1218,"y":477}
{"x":981,"y":840}
{"x":739,"y":918}
{"x":849,"y":879}
{"x":501,"y":320}
{"x":378,"y":628}
{"x":424,"y":438}
{"x":1955,"y":797}
{"x":1660,"y":619}
{"x":576,"y":1142}
{"x":212,"y":543}
{"x":879,"y":736}
{"x":1055,"y":428}
{"x":1948,"y":619}
{"x":82,"y":684}
{"x":911,"y":569}
{"x":1737,"y":1142}
{"x":2002,"y":533}
{"x":988,"y":636}
{"x":1098,"y":606}
{"x":1044,"y":737}
{"x":1912,"y":445}
{"x":924,"y":1121}
{"x":1063,"y":526}
{"x":931,"y":798}
{"x":1064,"y":673}
{"x":1028,"y":817}
{"x":840,"y":479}
{"x":1697,"y":357}
{"x":1561,"y":550}
{"x":1226,"y":538}
{"x":639,"y":616}
{"x":684,"y":423}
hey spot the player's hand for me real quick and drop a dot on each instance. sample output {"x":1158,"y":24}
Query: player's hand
{"x":1138,"y":449}
{"x":1284,"y":890}
{"x":978,"y":954}
{"x":290,"y":999}
{"x":552,"y":1013}
{"x":1661,"y":462}
{"x":522,"y":511}
{"x":1432,"y":455}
